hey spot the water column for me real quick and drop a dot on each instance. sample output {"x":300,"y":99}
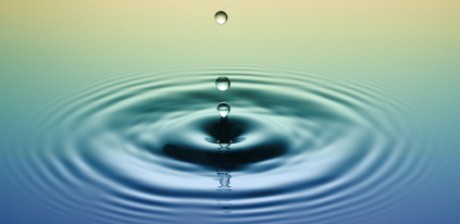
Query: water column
{"x":223,"y":83}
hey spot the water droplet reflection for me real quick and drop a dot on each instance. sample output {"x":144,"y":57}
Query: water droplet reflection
{"x":221,"y":17}
{"x":224,"y":179}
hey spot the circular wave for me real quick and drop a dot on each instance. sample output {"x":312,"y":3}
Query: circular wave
{"x":151,"y":148}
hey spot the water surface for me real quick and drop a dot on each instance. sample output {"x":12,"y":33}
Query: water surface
{"x":158,"y":146}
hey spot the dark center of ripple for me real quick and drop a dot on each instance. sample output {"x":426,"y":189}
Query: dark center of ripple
{"x":228,"y":144}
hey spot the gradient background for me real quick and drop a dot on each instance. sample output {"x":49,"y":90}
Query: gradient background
{"x":51,"y":48}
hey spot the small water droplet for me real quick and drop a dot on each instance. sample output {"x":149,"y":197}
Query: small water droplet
{"x":221,"y":17}
{"x":222,"y":83}
{"x":223,"y":109}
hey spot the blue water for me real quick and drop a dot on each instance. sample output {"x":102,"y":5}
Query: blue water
{"x":296,"y":147}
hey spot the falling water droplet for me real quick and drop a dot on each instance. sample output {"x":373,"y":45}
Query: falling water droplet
{"x":223,"y":109}
{"x":222,"y":83}
{"x":221,"y":17}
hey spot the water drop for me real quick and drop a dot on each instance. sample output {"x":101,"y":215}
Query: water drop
{"x":221,"y":17}
{"x":224,"y":179}
{"x":223,"y":109}
{"x":222,"y":83}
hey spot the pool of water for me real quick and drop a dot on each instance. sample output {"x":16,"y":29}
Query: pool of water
{"x":152,"y":112}
{"x":292,"y":147}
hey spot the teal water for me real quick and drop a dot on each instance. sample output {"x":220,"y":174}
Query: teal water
{"x":288,"y":146}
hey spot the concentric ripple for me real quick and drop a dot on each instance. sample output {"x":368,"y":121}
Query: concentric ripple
{"x":147,"y":148}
